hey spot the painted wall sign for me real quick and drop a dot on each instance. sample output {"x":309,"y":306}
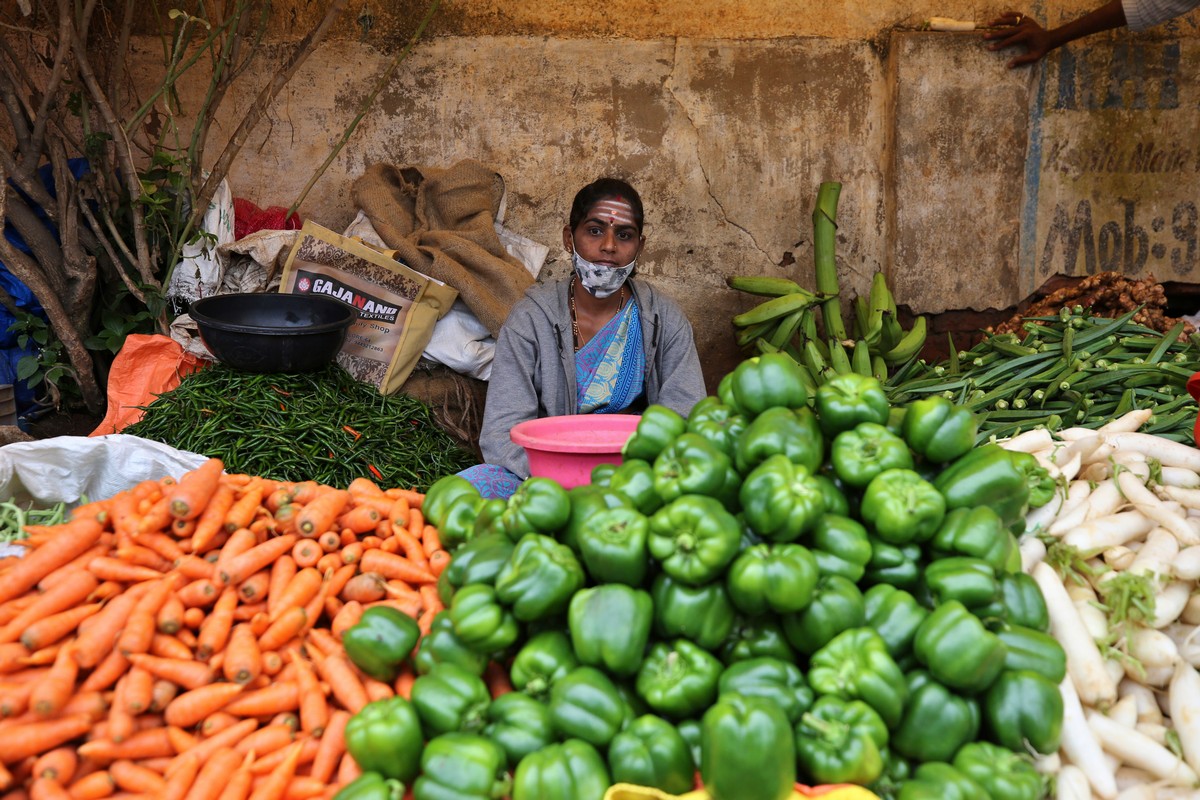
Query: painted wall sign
{"x":1113,"y":175}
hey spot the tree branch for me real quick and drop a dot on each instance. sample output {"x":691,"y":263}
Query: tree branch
{"x":50,"y":94}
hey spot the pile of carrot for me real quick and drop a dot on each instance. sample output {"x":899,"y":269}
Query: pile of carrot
{"x":181,"y":640}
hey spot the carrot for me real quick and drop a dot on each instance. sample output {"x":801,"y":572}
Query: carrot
{"x":243,"y":656}
{"x":331,"y":747}
{"x":366,"y":587}
{"x":93,"y":786}
{"x":390,"y":544}
{"x":225,"y":738}
{"x":404,"y":681}
{"x":148,"y":743}
{"x":193,"y":618}
{"x":254,"y":589}
{"x":59,"y":764}
{"x":169,"y":618}
{"x":47,"y":789}
{"x":430,"y":599}
{"x":23,"y":739}
{"x":248,"y":611}
{"x":162,"y":692}
{"x":238,"y":542}
{"x":180,"y":776}
{"x":42,"y":657}
{"x":106,"y":591}
{"x":282,"y":572}
{"x":393,"y":566}
{"x":372,"y":541}
{"x":14,"y":699}
{"x":496,"y":678}
{"x":214,"y":632}
{"x":314,"y":710}
{"x":431,"y":539}
{"x":48,"y":630}
{"x":359,"y":519}
{"x":272,"y":663}
{"x":267,"y":739}
{"x":216,"y":722}
{"x":114,"y":569}
{"x":71,"y":539}
{"x":72,"y":569}
{"x":240,"y":782}
{"x":184,"y":672}
{"x":319,"y":514}
{"x":273,"y":698}
{"x":330,"y":541}
{"x":347,"y":770}
{"x":98,"y":510}
{"x":348,"y":616}
{"x":243,"y":510}
{"x":364,"y":487}
{"x":352,"y":552}
{"x":425,"y":623}
{"x":405,"y":602}
{"x":377,"y":690}
{"x":212,"y":519}
{"x":138,"y":691}
{"x":399,"y":513}
{"x":195,"y":489}
{"x":438,"y":561}
{"x":297,"y":592}
{"x":200,"y":593}
{"x":323,"y":641}
{"x":156,"y":518}
{"x":212,"y":776}
{"x":411,"y":546}
{"x":240,"y":567}
{"x":195,"y":568}
{"x":344,"y":682}
{"x":284,"y":628}
{"x":305,"y":491}
{"x":106,"y":672}
{"x":306,"y":553}
{"x":194,"y":705}
{"x":275,"y":786}
{"x":161,"y":543}
{"x":59,"y":598}
{"x":94,"y":644}
{"x":166,"y":646}
{"x":139,"y":628}
{"x":133,"y":777}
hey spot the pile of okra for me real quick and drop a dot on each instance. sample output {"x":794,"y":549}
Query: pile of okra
{"x":1070,"y":370}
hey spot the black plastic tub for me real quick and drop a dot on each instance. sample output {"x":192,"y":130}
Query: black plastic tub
{"x":272,"y":332}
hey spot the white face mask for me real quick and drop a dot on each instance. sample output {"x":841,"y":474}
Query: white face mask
{"x":599,"y":280}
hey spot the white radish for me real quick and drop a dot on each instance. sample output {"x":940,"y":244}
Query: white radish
{"x":1138,"y":750}
{"x":1155,"y":556}
{"x":1188,"y":498}
{"x":1186,"y":565}
{"x":1049,"y":764}
{"x":1085,"y":665}
{"x":1094,"y":619}
{"x":1081,"y":746}
{"x":1095,"y":535}
{"x":1147,"y":703}
{"x":1180,"y":477}
{"x":1082,"y":447}
{"x":1152,"y":648}
{"x":1075,"y":434}
{"x":1039,"y":519}
{"x":1105,"y":499}
{"x":1156,"y":731}
{"x":1167,"y":452}
{"x":1135,"y":785}
{"x":1132,"y":462}
{"x":1184,"y":699}
{"x":1184,"y":637}
{"x":1125,"y":711}
{"x":1122,"y":557}
{"x":1144,"y":500}
{"x":1033,"y":551}
{"x":1128,"y":422}
{"x":1072,"y":784}
{"x":1157,"y":677}
{"x":1097,"y":471}
{"x":1070,"y":468}
{"x":1030,"y":441}
{"x":1115,"y":668}
{"x":1170,"y":602}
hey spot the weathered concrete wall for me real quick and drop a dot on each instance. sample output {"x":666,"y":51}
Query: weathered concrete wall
{"x":968,"y":183}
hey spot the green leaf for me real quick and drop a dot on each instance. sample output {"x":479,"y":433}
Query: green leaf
{"x":27,"y":367}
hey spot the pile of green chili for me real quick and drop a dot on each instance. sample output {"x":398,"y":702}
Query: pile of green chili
{"x":1068,"y":370}
{"x":323,"y":426}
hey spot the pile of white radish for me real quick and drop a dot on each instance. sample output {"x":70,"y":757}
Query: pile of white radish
{"x":1124,"y":533}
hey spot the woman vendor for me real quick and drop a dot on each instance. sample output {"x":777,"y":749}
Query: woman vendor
{"x":597,"y":342}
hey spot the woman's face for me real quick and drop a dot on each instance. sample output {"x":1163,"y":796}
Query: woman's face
{"x":607,"y":235}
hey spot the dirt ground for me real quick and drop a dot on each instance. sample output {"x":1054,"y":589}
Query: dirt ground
{"x":64,"y":423}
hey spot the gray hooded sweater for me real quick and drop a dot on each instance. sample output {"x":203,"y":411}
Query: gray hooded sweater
{"x":533,"y":374}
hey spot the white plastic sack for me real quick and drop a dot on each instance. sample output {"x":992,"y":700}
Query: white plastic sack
{"x":200,"y":271}
{"x":462,"y":343}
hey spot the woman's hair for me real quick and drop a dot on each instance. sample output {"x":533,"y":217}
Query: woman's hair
{"x":605,"y":189}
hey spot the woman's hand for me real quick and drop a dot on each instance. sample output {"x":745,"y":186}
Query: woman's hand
{"x":1013,"y":28}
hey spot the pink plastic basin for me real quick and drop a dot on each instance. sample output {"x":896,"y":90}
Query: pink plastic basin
{"x":566,"y":448}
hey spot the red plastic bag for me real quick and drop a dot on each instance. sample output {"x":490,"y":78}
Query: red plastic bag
{"x":147,"y":366}
{"x":248,"y":218}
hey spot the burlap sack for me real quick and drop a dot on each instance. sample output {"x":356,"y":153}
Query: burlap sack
{"x":440,"y":222}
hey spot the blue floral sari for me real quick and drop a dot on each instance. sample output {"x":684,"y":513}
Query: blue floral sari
{"x":609,"y":374}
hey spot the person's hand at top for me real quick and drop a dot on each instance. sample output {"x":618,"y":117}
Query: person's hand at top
{"x":1013,"y":28}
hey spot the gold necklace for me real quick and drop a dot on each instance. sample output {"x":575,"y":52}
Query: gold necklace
{"x":574,"y":320}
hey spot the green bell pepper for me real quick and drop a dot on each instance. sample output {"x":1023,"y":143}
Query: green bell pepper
{"x":747,"y":750}
{"x":1023,"y":601}
{"x":481,"y":622}
{"x":902,"y":507}
{"x":1005,"y":775}
{"x":781,"y":500}
{"x":781,"y":431}
{"x":444,"y":493}
{"x":449,"y":698}
{"x":864,"y":451}
{"x":462,"y":766}
{"x":971,"y":581}
{"x":634,"y":704}
{"x":385,"y":737}
{"x":371,"y":786}
{"x":976,"y":532}
{"x":690,"y":730}
{"x":658,"y":427}
{"x":652,"y":752}
{"x":1023,"y":709}
{"x":443,"y":646}
{"x":756,"y":637}
{"x":841,"y":546}
{"x":585,"y":704}
{"x":837,"y":605}
{"x":936,"y":721}
{"x":847,"y":400}
{"x":519,"y":724}
{"x":986,"y":476}
{"x":895,"y":615}
{"x":694,"y":538}
{"x":678,"y":679}
{"x":764,"y":382}
{"x":689,"y":465}
{"x":836,"y":501}
{"x":572,"y":770}
{"x":487,"y":518}
{"x":1041,"y":485}
{"x":610,"y":626}
{"x":1031,"y":649}
{"x":938,"y":430}
{"x":540,"y":505}
{"x":896,"y":770}
{"x":958,"y":650}
{"x":586,"y":502}
{"x":381,"y":641}
{"x":780,"y":683}
{"x":855,"y":665}
{"x":461,"y":519}
{"x":895,"y":565}
{"x":479,"y":560}
{"x":717,"y":422}
{"x":601,"y":475}
{"x":703,"y":614}
{"x":544,"y":659}
{"x":772,"y":577}
{"x":539,"y":579}
{"x":613,"y":546}
{"x":935,"y":780}
{"x":634,"y":480}
{"x":841,"y":741}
